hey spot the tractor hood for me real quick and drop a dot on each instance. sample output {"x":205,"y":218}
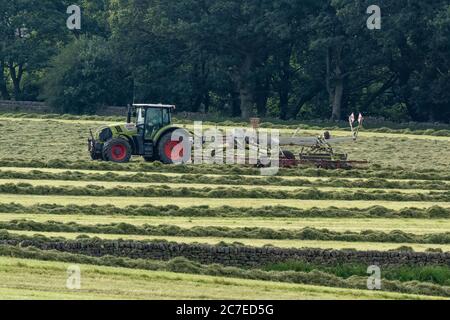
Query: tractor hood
{"x":104,"y":133}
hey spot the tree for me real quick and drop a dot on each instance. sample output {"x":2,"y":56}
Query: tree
{"x":284,"y":58}
{"x":86,"y":75}
{"x":288,"y":25}
{"x":234,"y":32}
{"x":3,"y":84}
{"x":335,"y":47}
{"x":29,"y":32}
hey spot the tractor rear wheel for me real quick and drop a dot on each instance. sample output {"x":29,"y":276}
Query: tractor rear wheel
{"x":117,"y":150}
{"x":170,"y":151}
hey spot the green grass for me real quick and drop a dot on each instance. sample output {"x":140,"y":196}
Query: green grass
{"x":427,"y":280}
{"x":31,"y":279}
{"x":379,"y":246}
{"x":432,"y":274}
{"x":415,"y":226}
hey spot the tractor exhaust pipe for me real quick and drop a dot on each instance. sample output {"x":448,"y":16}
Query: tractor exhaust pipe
{"x":129,"y":113}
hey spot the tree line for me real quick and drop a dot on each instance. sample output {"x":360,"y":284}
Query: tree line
{"x":289,"y":59}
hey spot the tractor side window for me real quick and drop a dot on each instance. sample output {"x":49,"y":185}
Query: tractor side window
{"x":153,"y":122}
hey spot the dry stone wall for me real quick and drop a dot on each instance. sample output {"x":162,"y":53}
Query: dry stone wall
{"x":233,"y":255}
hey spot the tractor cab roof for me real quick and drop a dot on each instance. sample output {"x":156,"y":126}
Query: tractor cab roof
{"x":149,"y":105}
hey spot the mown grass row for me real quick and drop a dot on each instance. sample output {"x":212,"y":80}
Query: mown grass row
{"x":415,"y":226}
{"x":222,"y":193}
{"x":184,"y":202}
{"x":433,"y":285}
{"x":307,"y":233}
{"x":434,"y":212}
{"x":207,"y":186}
{"x":374,"y":171}
{"x":374,"y":183}
{"x":259,"y":243}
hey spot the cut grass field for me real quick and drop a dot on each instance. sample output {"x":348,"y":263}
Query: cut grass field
{"x":69,"y":142}
{"x":415,"y":226}
{"x":362,"y":246}
{"x":58,"y":143}
{"x":29,"y":279}
{"x":286,"y":131}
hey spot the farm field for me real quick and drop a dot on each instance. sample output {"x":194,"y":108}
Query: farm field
{"x":28,"y":279}
{"x":372,"y":147}
{"x":57,"y":205}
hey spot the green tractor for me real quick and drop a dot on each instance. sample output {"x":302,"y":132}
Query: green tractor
{"x":151,"y":136}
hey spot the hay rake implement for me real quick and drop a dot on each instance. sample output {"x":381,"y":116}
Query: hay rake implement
{"x":315,"y":151}
{"x":318,"y":151}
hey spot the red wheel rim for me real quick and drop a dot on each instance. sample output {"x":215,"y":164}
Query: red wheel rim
{"x":171,"y":153}
{"x":118,"y":152}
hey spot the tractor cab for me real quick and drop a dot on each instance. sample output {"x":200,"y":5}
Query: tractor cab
{"x":150,"y":118}
{"x":149,"y":136}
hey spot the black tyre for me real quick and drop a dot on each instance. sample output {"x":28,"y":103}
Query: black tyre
{"x":166,"y":146}
{"x":94,"y":156}
{"x":117,"y":150}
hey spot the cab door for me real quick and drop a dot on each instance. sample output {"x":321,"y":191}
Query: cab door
{"x":153,"y":123}
{"x":155,"y":120}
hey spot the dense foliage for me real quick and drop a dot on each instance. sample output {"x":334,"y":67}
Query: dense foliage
{"x":279,"y":58}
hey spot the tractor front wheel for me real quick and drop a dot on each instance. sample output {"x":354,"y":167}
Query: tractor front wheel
{"x":117,"y":150}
